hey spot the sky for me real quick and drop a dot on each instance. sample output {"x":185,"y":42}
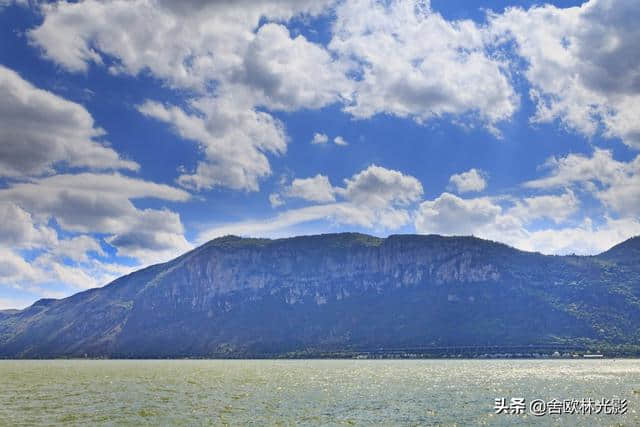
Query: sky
{"x":132,"y":131}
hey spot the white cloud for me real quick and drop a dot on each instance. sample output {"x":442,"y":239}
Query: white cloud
{"x":292,"y":73}
{"x":623,"y":197}
{"x":338,"y":140}
{"x":238,"y":58}
{"x":53,"y":262}
{"x":379,"y":187}
{"x":414,"y":63}
{"x":234,"y":141}
{"x":76,"y":248}
{"x":319,"y":138}
{"x":161,"y":241}
{"x":555,"y":208}
{"x":5,"y":3}
{"x":234,"y":60}
{"x":15,"y":303}
{"x":316,"y":189}
{"x":52,"y":275}
{"x":279,"y":225}
{"x":375,"y":198}
{"x":18,"y":230}
{"x":15,"y":269}
{"x":222,"y":55}
{"x":343,"y":213}
{"x":583,"y":64}
{"x":90,"y":208}
{"x":449,"y":214}
{"x":39,"y":130}
{"x":275,"y":200}
{"x":483,"y":217}
{"x":186,"y":43}
{"x":616,"y":184}
{"x":584,"y":239}
{"x":580,"y":169}
{"x":472,"y":180}
{"x":101,"y":203}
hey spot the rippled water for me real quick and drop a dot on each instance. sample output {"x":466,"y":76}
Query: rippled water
{"x":307,"y":391}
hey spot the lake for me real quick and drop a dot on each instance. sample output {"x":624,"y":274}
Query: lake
{"x":338,"y":392}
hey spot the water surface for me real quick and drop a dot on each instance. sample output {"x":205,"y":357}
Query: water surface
{"x":336,"y":392}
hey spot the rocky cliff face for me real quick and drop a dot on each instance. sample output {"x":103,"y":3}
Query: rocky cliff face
{"x":235,"y":296}
{"x":308,"y":268}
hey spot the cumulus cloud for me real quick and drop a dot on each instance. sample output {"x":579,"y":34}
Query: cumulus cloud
{"x":90,"y":210}
{"x":615,"y":183}
{"x":39,"y":130}
{"x":238,"y":59}
{"x":316,"y":189}
{"x":13,"y":268}
{"x":319,"y":138}
{"x":275,"y":200}
{"x":76,"y":248}
{"x":53,"y":260}
{"x":152,"y":243}
{"x":338,"y":140}
{"x":186,"y":43}
{"x":583,"y":64}
{"x":194,"y":43}
{"x":414,"y":63}
{"x":100,"y":203}
{"x":580,"y":169}
{"x":486,"y":218}
{"x":401,"y":56}
{"x":587,"y":238}
{"x":449,"y":214}
{"x":49,"y":275}
{"x":18,"y":230}
{"x":553,"y":207}
{"x":375,"y":198}
{"x":236,"y":64}
{"x":514,"y":220}
{"x":235,"y":141}
{"x":233,"y":66}
{"x":292,"y":73}
{"x":378,"y":187}
{"x":472,"y":180}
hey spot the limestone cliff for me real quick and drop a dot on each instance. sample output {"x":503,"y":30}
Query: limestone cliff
{"x":236,"y":296}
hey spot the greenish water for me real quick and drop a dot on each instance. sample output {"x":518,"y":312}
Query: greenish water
{"x":292,"y":392}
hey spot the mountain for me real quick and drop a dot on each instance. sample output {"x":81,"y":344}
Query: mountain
{"x":627,"y":252}
{"x":341,"y":293}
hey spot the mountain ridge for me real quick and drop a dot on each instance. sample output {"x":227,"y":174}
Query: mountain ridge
{"x":238,"y":297}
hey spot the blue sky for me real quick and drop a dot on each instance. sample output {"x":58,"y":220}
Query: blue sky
{"x":132,"y":131}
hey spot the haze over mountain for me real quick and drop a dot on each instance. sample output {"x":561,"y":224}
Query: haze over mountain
{"x":340,"y":292}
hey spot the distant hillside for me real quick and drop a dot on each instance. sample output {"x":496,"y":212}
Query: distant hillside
{"x":627,"y":252}
{"x":341,"y":293}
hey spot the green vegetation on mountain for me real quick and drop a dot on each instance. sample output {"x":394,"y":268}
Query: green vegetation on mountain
{"x":340,"y":294}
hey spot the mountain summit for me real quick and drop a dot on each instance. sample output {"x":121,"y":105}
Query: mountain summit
{"x":239,"y":297}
